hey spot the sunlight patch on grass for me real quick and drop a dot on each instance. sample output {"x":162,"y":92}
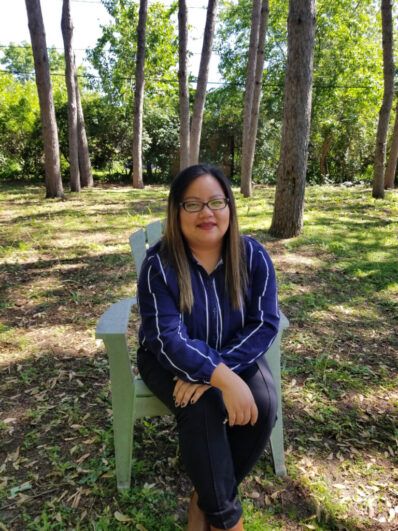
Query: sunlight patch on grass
{"x":356,"y":308}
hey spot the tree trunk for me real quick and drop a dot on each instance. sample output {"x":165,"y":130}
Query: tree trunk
{"x":67,"y":35}
{"x":200,"y":96}
{"x":287,"y":218}
{"x":139,"y":96}
{"x":183,"y":83}
{"x":326,"y":145}
{"x":391,"y":168}
{"x":253,"y":93}
{"x":86,"y":175}
{"x":384,"y":114}
{"x":232,"y":156}
{"x":49,"y":124}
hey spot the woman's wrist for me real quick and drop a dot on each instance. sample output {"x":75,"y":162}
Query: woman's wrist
{"x":222,"y":377}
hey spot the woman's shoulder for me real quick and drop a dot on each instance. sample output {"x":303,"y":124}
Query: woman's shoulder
{"x":154,"y":249}
{"x":156,"y":261}
{"x":152,"y":257}
{"x":251,"y":244}
{"x":255,"y":251}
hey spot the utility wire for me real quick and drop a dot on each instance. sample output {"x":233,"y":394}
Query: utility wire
{"x":20,"y":46}
{"x":151,"y":3}
{"x":193,"y":80}
{"x":90,"y":76}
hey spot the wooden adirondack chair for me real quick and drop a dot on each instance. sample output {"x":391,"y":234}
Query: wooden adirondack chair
{"x":131,"y":399}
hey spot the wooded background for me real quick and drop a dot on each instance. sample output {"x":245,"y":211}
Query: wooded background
{"x":305,"y":97}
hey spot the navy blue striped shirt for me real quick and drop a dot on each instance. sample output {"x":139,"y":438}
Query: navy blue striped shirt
{"x":191,"y":345}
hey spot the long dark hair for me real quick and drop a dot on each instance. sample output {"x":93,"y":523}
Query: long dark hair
{"x":174,"y":245}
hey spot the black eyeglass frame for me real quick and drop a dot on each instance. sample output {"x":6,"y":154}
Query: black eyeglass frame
{"x":225,"y":199}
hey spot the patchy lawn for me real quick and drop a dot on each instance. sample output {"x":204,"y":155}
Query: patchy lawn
{"x":63,"y":262}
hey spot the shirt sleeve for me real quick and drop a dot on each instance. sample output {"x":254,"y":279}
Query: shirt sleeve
{"x":163,"y":331}
{"x":261,"y":314}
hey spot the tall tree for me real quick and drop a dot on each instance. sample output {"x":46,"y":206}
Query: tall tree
{"x":253,"y":92}
{"x":86,"y":174}
{"x":139,"y":96}
{"x":391,"y":167}
{"x":384,"y":114}
{"x":287,"y":217}
{"x":67,"y":35}
{"x":200,"y":96}
{"x":50,"y":133}
{"x":183,"y":83}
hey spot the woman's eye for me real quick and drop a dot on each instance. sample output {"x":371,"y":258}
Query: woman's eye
{"x":193,"y":205}
{"x":216,"y":203}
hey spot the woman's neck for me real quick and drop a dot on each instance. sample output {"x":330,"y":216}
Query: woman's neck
{"x":208,"y":258}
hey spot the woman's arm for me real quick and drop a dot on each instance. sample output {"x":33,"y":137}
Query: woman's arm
{"x":162,"y":329}
{"x":261,"y":313}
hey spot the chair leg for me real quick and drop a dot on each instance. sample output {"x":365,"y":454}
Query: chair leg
{"x":277,"y":446}
{"x":123,"y":409}
{"x":123,"y":427}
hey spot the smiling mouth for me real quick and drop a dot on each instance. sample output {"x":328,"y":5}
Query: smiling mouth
{"x":206,"y":226}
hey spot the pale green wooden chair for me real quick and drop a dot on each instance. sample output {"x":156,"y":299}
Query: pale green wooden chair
{"x":131,"y":399}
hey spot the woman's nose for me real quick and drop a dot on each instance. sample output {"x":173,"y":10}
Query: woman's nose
{"x":206,"y":210}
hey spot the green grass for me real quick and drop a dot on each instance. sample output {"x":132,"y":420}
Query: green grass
{"x":63,"y":262}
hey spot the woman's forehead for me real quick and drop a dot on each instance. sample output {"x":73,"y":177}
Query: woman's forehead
{"x":204,"y":185}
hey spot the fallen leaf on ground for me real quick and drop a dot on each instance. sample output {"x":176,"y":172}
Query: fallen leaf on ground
{"x":120,"y":517}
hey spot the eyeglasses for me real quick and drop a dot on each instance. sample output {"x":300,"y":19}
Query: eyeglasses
{"x":196,"y":206}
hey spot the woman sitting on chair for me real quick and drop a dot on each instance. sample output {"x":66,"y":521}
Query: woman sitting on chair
{"x":208,"y":303}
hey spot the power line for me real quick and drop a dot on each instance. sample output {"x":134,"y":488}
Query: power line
{"x":90,"y":76}
{"x":193,"y":80}
{"x":19,"y":46}
{"x":152,"y":3}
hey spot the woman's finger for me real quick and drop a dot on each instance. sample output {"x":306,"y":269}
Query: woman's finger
{"x":179,"y":390}
{"x":183,"y":392}
{"x":231,"y":418}
{"x":199,"y":391}
{"x":254,"y":414}
{"x":180,"y":386}
{"x":187,"y":395}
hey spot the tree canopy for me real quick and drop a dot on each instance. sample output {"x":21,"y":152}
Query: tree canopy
{"x":347,"y":92}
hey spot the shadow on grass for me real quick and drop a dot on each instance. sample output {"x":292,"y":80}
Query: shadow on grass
{"x":83,"y":283}
{"x":61,"y":406}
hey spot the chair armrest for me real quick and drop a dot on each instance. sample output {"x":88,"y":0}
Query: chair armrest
{"x":112,"y":329}
{"x":284,"y":321}
{"x":115,"y":320}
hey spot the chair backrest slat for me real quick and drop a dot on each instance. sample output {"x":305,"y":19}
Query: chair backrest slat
{"x":142,"y":239}
{"x":154,"y":232}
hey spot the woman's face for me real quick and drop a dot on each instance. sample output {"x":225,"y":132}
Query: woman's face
{"x":204,"y":230}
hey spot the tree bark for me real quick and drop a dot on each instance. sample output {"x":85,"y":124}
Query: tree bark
{"x":253,"y":92}
{"x":384,"y":114}
{"x":232,"y":156}
{"x":200,"y":96}
{"x":86,"y":174}
{"x":67,"y":35}
{"x":287,"y":218}
{"x":183,"y":83}
{"x":326,"y":145}
{"x":391,"y":168}
{"x":53,"y":179}
{"x":139,"y":96}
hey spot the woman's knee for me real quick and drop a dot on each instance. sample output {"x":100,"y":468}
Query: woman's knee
{"x":266,"y":398}
{"x":208,"y":409}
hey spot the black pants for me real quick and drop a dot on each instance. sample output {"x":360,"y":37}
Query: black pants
{"x":216,"y":456}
